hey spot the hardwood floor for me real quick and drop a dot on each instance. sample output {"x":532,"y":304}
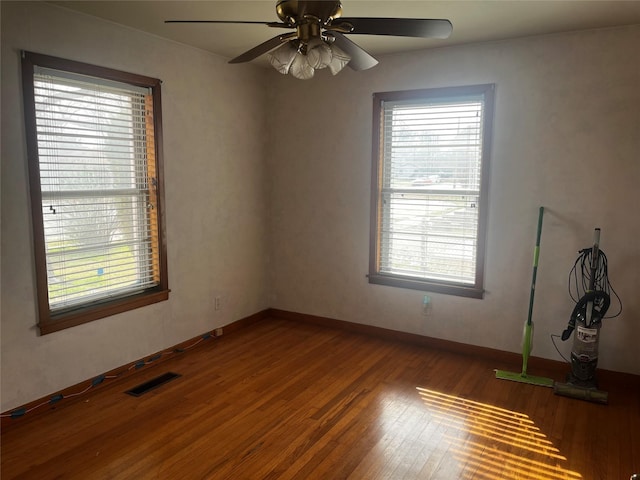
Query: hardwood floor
{"x":287,"y":400}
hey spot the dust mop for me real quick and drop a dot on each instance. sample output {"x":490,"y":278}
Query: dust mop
{"x":527,"y":337}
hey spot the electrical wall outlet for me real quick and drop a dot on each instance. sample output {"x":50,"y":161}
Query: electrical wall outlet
{"x":217,"y":303}
{"x":426,"y":305}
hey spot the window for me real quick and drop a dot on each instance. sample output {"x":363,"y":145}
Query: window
{"x":94,"y":153}
{"x":429,"y":188}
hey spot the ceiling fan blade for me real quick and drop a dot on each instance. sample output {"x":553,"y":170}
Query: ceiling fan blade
{"x":399,"y":27}
{"x":268,"y":24}
{"x":360,"y":59}
{"x":263,"y":48}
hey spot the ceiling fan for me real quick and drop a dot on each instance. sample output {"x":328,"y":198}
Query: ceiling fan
{"x":319,"y":40}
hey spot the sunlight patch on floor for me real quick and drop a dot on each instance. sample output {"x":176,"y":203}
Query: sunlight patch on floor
{"x":494,"y":443}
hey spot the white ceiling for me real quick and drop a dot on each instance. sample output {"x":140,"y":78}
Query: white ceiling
{"x":473,"y":20}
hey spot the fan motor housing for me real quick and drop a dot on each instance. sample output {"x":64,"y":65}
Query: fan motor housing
{"x":292,"y":11}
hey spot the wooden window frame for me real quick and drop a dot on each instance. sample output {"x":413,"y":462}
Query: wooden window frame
{"x":49,"y":321}
{"x":425,"y":284}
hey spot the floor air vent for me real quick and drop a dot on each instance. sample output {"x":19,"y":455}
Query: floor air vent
{"x":151,"y":384}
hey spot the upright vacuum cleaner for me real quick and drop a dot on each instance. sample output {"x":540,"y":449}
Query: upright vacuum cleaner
{"x":593,"y":289}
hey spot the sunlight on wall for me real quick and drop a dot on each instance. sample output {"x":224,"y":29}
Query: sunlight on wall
{"x":494,"y":443}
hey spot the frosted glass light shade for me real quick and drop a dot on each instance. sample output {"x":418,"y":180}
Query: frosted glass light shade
{"x":319,"y":54}
{"x":339,"y":60}
{"x":300,"y":68}
{"x":287,"y":58}
{"x":282,"y":57}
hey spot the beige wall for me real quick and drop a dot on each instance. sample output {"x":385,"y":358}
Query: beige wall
{"x":267,"y":193}
{"x":566,"y":136}
{"x":213,"y":116}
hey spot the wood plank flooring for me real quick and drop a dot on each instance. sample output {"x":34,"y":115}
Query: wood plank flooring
{"x":287,"y":400}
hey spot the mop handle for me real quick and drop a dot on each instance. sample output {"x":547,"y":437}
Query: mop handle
{"x":536,"y":256}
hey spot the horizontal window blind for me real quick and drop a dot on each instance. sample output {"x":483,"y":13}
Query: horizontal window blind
{"x":97,"y":187}
{"x":430,"y":188}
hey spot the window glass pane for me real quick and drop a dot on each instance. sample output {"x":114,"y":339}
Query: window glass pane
{"x":431,"y":143}
{"x":429,"y":186}
{"x":96,"y":246}
{"x":95,"y":194}
{"x":430,"y":236}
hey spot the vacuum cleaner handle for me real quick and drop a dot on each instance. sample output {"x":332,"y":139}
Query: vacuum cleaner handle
{"x":595,"y":254}
{"x":586,"y":303}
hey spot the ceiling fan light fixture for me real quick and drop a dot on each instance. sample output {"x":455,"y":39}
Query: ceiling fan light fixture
{"x":303,"y":62}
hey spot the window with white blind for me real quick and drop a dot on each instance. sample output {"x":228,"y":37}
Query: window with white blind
{"x":93,"y":141}
{"x":429,"y":188}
